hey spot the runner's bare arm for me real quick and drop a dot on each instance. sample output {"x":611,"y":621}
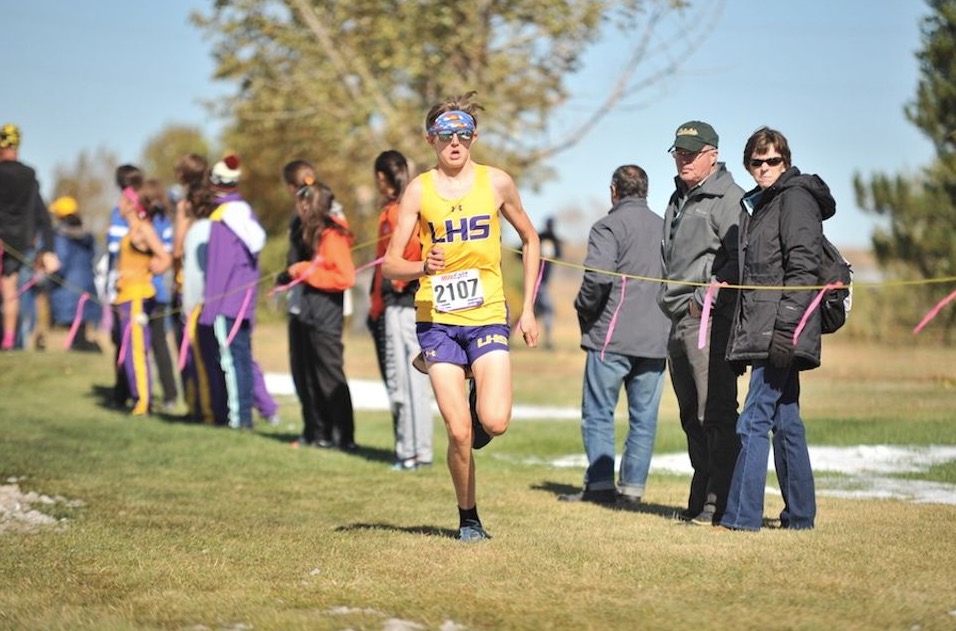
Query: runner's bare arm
{"x":394,"y":265}
{"x":514,"y":212}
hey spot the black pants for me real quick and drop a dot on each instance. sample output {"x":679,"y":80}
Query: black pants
{"x":706,"y":390}
{"x":304,"y":383}
{"x":161,"y":355}
{"x":121,"y":389}
{"x":332,"y":399}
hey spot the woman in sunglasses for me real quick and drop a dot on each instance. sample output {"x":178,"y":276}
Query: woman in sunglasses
{"x":781,"y":233}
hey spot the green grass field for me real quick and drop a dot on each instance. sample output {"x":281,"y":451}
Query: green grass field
{"x":190,"y":527}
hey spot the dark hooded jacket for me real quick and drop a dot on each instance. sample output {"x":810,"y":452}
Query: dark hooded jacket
{"x":781,"y":231}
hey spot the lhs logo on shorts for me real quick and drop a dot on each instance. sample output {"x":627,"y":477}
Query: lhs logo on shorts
{"x":494,"y":338}
{"x":464,"y":229}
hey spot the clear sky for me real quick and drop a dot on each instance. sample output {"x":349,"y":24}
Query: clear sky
{"x":832,"y":75}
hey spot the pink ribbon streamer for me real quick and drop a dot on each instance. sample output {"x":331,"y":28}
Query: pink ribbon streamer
{"x":617,"y":310}
{"x":183,"y":349}
{"x":77,"y":321}
{"x":813,"y":307}
{"x":27,"y":285}
{"x":362,"y":268}
{"x":705,"y":313}
{"x":933,"y":312}
{"x":187,"y":330}
{"x":298,"y":279}
{"x":312,"y":266}
{"x":124,"y":344}
{"x":239,"y":316}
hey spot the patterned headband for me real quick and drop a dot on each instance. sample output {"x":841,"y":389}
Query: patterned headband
{"x":454,"y":121}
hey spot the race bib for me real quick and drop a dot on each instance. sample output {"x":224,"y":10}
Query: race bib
{"x":457,"y":290}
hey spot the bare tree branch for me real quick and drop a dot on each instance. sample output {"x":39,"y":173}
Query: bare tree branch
{"x":318,"y":29}
{"x":625,"y":86}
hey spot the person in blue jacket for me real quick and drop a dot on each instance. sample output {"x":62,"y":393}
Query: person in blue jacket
{"x":75,"y":247}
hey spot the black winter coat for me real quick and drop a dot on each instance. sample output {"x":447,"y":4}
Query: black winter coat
{"x":780,"y":247}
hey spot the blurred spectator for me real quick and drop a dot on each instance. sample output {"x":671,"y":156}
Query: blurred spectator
{"x":23,"y":216}
{"x":393,"y":301}
{"x":325,"y":279}
{"x":543,"y":306}
{"x":74,"y":246}
{"x":159,"y":323}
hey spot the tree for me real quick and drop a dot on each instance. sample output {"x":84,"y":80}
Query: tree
{"x":919,"y":240}
{"x":166,"y":147}
{"x":338,"y":81}
{"x":90,"y":180}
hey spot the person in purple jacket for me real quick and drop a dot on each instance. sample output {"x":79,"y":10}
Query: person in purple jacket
{"x":229,"y":297}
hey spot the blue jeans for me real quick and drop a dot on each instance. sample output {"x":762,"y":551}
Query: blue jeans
{"x":773,"y":404}
{"x":643,"y":380}
{"x":235,"y":359}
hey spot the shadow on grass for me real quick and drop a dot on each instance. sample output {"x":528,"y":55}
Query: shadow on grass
{"x":105,"y":397}
{"x":373,"y":454}
{"x":429,"y":531}
{"x":661,"y":510}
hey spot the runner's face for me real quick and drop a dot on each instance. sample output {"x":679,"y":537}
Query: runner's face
{"x":452,"y":152}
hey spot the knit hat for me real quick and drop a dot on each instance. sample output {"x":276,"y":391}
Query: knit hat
{"x":9,"y":136}
{"x":226,"y":172}
{"x":63,"y":206}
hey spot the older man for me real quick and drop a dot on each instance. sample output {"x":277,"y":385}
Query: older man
{"x":700,"y":249}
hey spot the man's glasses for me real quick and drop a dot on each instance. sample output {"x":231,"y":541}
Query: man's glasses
{"x":684,"y":154}
{"x":463,"y":136}
{"x":776,"y":161}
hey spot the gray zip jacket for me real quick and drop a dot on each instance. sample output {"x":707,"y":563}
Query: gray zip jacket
{"x":700,"y":244}
{"x":623,"y":242}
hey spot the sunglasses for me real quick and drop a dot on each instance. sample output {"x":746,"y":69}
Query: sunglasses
{"x":755,"y":163}
{"x":463,"y":136}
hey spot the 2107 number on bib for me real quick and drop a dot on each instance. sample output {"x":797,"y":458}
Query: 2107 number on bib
{"x":457,"y":290}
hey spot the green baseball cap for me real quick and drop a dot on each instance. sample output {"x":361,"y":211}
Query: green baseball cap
{"x":694,"y":136}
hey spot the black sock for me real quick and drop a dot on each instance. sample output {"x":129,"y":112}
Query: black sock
{"x":468,"y":515}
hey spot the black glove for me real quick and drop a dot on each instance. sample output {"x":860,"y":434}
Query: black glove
{"x":738,"y":367}
{"x":781,"y":349}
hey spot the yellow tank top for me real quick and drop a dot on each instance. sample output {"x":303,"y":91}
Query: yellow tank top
{"x":469,"y":291}
{"x":135,"y":280}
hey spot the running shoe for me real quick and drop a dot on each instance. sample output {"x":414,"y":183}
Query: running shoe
{"x":472,"y":531}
